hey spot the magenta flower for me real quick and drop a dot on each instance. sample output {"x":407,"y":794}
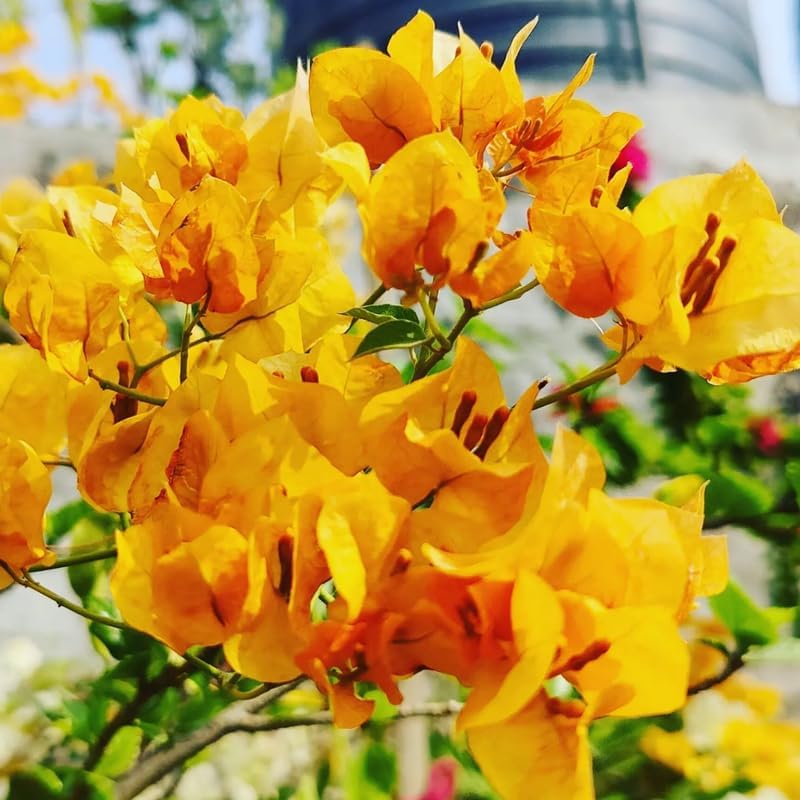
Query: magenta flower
{"x":441,"y":781}
{"x":635,"y":154}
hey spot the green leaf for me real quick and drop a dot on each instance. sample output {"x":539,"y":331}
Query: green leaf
{"x":121,"y":752}
{"x":381,"y":313}
{"x":793,"y":476}
{"x":784,"y":650}
{"x":36,"y":783}
{"x":732,"y":493}
{"x":745,"y":620}
{"x":395,"y":335}
{"x":113,"y":15}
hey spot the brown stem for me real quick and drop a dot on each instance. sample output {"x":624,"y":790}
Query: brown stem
{"x":243,"y":716}
{"x":734,"y":663}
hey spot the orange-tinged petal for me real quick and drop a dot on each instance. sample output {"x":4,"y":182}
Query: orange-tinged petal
{"x":497,"y":274}
{"x":411,"y":46}
{"x":24,"y":494}
{"x":424,"y":207}
{"x":32,"y":399}
{"x":537,"y":621}
{"x":543,"y":749}
{"x":364,"y":96}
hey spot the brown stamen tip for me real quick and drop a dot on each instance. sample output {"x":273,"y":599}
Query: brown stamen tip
{"x":66,"y":219}
{"x":470,"y":618}
{"x":360,"y":658}
{"x":700,"y":277}
{"x":542,"y":383}
{"x":580,"y":660}
{"x":565,"y":708}
{"x":597,"y":193}
{"x":183,"y":145}
{"x":465,"y":406}
{"x":493,"y":428}
{"x":309,"y":375}
{"x":475,"y":430}
{"x":285,"y":553}
{"x":487,"y":50}
{"x":458,"y":51}
{"x":726,"y":248}
{"x":713,"y":222}
{"x":523,"y":129}
{"x":477,"y":255}
{"x":402,"y":562}
{"x":710,"y":272}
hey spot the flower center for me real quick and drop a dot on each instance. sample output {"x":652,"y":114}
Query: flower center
{"x":703,"y":271}
{"x":483,"y":431}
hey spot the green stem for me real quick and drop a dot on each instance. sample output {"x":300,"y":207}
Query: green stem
{"x":425,"y":365}
{"x":187,"y":334}
{"x":430,"y":319}
{"x":126,"y":390}
{"x":28,"y":582}
{"x":143,"y":369}
{"x":70,"y":561}
{"x":514,"y":294}
{"x":596,"y":376}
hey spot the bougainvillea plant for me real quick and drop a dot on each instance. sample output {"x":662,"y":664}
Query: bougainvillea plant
{"x":283,"y":504}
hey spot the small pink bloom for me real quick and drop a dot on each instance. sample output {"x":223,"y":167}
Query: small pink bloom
{"x":636,"y":155}
{"x":441,"y":782}
{"x":767,"y":435}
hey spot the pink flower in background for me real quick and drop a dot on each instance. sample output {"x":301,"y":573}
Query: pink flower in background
{"x":634,"y":153}
{"x":767,"y":435}
{"x":441,"y":782}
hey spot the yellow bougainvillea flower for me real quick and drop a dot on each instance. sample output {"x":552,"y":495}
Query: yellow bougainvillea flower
{"x":589,"y":255}
{"x":107,"y":430}
{"x":285,"y":152}
{"x":452,"y":433}
{"x":558,"y":130}
{"x":267,"y":642}
{"x":199,"y":138}
{"x":301,"y":294}
{"x":425,"y":207}
{"x":62,"y":299}
{"x":383,"y":102}
{"x":22,"y":205}
{"x":177,"y":547}
{"x":477,"y":99}
{"x":206,"y":248}
{"x":32,"y":400}
{"x":544,"y":748}
{"x":728,"y":284}
{"x":569,"y":524}
{"x":24,"y":494}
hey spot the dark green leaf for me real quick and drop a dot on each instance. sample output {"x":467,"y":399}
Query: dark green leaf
{"x":35,"y":783}
{"x":732,"y":493}
{"x":398,"y":334}
{"x":381,"y":313}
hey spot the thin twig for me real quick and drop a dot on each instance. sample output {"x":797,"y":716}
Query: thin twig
{"x":734,"y":663}
{"x":596,"y":376}
{"x":25,"y":580}
{"x":242,"y":717}
{"x":127,"y":391}
{"x":70,"y":561}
